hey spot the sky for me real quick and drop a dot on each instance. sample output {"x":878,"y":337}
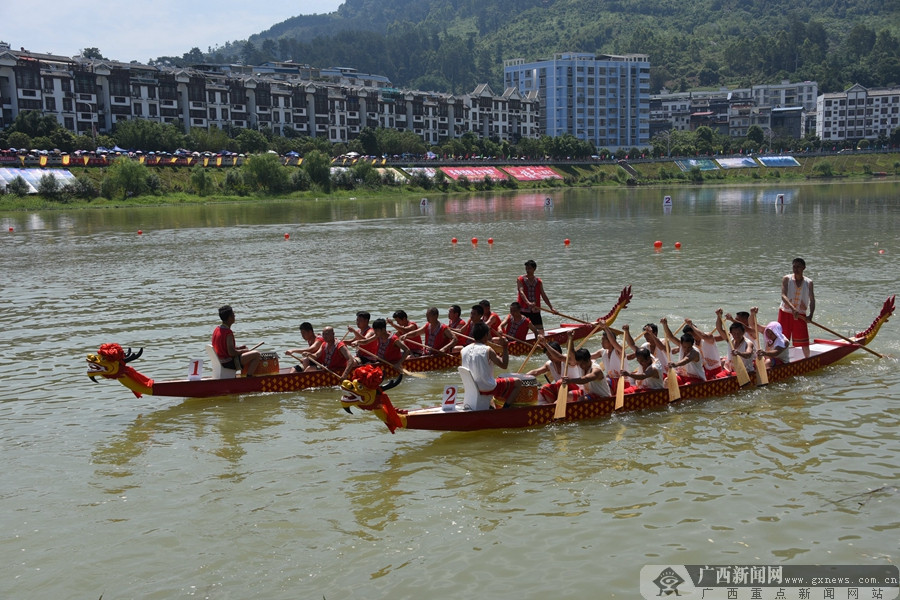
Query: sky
{"x":141,"y":31}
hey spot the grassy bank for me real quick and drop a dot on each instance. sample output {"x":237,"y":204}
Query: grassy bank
{"x":175,"y":182}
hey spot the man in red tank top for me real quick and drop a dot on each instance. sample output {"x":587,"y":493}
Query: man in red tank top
{"x":530,"y":293}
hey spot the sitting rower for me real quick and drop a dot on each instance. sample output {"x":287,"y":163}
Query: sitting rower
{"x":454,"y":319}
{"x":516,"y":324}
{"x":313,"y":342}
{"x":464,"y":334}
{"x":490,"y":317}
{"x":650,"y":377}
{"x":383,"y":345}
{"x":777,"y":350}
{"x":651,"y":343}
{"x":363,"y":330}
{"x":709,"y":352}
{"x":439,"y":338}
{"x":331,"y":355}
{"x":593,"y":383}
{"x":406,"y":330}
{"x":553,"y":368}
{"x":610,"y":354}
{"x":689,"y":368}
{"x":743,"y":348}
{"x":479,"y":359}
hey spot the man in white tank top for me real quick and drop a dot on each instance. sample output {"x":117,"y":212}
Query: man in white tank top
{"x":798,"y":303}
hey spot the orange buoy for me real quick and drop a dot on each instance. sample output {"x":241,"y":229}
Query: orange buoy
{"x":453,"y":241}
{"x":879,"y":252}
{"x":475,"y":241}
{"x":678,"y":245}
{"x":10,"y":229}
{"x":490,"y":241}
{"x":287,"y":236}
{"x":566,"y":242}
{"x":657,"y":244}
{"x":140,"y":232}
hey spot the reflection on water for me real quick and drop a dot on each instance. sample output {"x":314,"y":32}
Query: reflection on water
{"x":268,"y":495}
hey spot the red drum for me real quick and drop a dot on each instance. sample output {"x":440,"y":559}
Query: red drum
{"x":268,"y":363}
{"x":528,"y":392}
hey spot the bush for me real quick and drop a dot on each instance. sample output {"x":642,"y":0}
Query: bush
{"x":234,"y":183}
{"x":125,"y":176}
{"x":49,"y":187}
{"x":824,"y":169}
{"x":265,"y":172}
{"x":17,"y":187}
{"x":201,"y":180}
{"x":81,"y":188}
{"x":300,"y":180}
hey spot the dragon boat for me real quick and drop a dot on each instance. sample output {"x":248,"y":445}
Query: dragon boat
{"x":111,"y":362}
{"x":366,"y":392}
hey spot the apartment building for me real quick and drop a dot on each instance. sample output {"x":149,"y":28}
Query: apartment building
{"x":91,"y":96}
{"x":778,"y":108}
{"x":602,"y":99}
{"x":857,"y":113}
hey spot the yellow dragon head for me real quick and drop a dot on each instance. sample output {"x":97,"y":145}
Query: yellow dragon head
{"x":110,"y":362}
{"x":364,"y":390}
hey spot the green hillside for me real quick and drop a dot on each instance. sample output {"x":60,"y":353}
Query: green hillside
{"x":451,"y":45}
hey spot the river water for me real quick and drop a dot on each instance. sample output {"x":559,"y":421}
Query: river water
{"x":287,"y":496}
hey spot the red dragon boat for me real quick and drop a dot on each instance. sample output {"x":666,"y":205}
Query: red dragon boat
{"x":369,"y":395}
{"x":111,"y":362}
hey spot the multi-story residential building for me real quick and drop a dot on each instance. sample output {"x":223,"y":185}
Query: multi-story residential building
{"x":778,"y":108}
{"x":602,"y":99}
{"x":92,"y":96}
{"x":857,"y":113}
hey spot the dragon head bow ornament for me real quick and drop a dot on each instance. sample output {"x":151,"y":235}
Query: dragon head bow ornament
{"x":364,"y":390}
{"x":110,"y":362}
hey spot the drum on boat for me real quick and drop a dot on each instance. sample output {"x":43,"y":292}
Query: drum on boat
{"x":268,"y":363}
{"x":528,"y":392}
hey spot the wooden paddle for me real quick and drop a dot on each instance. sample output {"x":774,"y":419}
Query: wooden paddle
{"x":493,"y":346}
{"x":593,"y":331}
{"x":620,"y":384}
{"x":318,"y":364}
{"x":426,"y":346}
{"x":832,"y":332}
{"x":530,"y":352}
{"x":261,"y":343}
{"x":740,"y":368}
{"x":381,"y":360}
{"x":582,"y":321}
{"x":672,"y":379}
{"x":561,"y":397}
{"x":762,"y":376}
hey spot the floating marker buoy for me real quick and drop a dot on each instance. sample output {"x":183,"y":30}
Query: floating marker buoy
{"x":475,"y":241}
{"x":491,"y":241}
{"x":881,"y":252}
{"x":566,"y":242}
{"x":10,"y":229}
{"x":678,"y":245}
{"x":453,"y":241}
{"x":287,"y":236}
{"x":657,"y":244}
{"x":140,"y":232}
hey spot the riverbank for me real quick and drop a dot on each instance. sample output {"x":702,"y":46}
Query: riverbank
{"x":174,"y":184}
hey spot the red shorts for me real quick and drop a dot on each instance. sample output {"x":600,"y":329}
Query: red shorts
{"x":793,"y":329}
{"x":713,"y":374}
{"x":504,"y":388}
{"x":688,"y":380}
{"x":579,"y":394}
{"x":550,"y":391}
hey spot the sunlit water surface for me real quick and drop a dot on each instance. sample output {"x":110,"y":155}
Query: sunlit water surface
{"x":287,"y":496}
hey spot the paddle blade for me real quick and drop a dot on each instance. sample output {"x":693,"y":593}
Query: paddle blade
{"x":740,"y":370}
{"x":672,"y":385}
{"x":620,"y":393}
{"x":762,"y":376}
{"x":561,"y":401}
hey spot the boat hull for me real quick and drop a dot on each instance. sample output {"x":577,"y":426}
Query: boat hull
{"x":436,"y":419}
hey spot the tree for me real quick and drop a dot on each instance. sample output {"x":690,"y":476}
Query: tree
{"x":19,"y":140}
{"x":251,"y":141}
{"x":756,"y":134}
{"x":201,"y":180}
{"x":92,"y":53}
{"x":265,"y":172}
{"x":318,"y":166}
{"x":127,"y":177}
{"x":49,"y":187}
